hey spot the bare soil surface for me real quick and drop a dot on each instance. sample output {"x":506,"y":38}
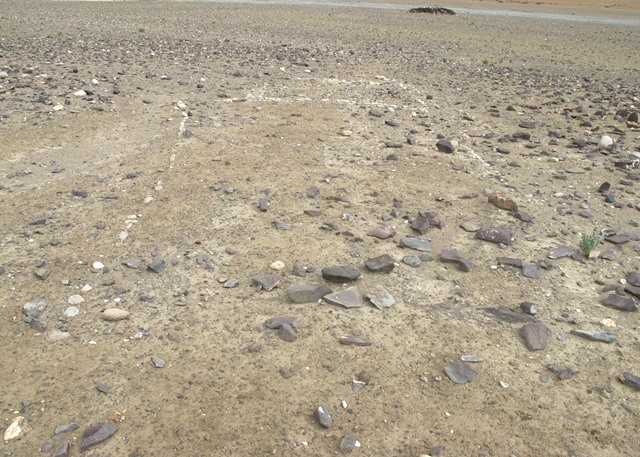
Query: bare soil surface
{"x":199,"y":126}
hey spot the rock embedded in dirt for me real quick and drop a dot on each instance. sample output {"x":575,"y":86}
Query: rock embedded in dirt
{"x":510,"y":261}
{"x":620,"y":303}
{"x":266,"y":282}
{"x":633,"y":278}
{"x":134,"y":264}
{"x":452,"y":255}
{"x":383,"y":232}
{"x":158,"y":362}
{"x":470,"y":226}
{"x":340,"y":273}
{"x":631,"y":380}
{"x":157,"y":266}
{"x":529,"y":308}
{"x":503,"y":202}
{"x":287,"y":333}
{"x":460,"y":372}
{"x":595,"y":335}
{"x":277,"y":322}
{"x":231,"y":283}
{"x":506,"y":315}
{"x":535,"y":335}
{"x":97,"y":434}
{"x":34,"y":308}
{"x":412,"y":260}
{"x":380,"y":297}
{"x":75,"y":299}
{"x":307,"y":293}
{"x":349,"y":443}
{"x":564,"y":251}
{"x":349,"y":298}
{"x":419,"y":244}
{"x":498,"y":235}
{"x":62,"y":450}
{"x":42,"y":273}
{"x":114,"y":314}
{"x":381,"y":264}
{"x":71,"y":426}
{"x":16,"y":429}
{"x":445,"y":146}
{"x":323,"y":416}
{"x":354,"y":341}
{"x":531,"y":271}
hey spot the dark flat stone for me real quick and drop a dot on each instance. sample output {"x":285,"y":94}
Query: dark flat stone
{"x":524,"y":217}
{"x":421,"y":224}
{"x":510,"y":261}
{"x":620,"y":303}
{"x":535,"y":335}
{"x":460,"y":372}
{"x":631,"y":289}
{"x":340,"y":273}
{"x":349,"y":298}
{"x":506,"y":315}
{"x":633,"y":278}
{"x":381,"y":264}
{"x":313,"y":212}
{"x":419,"y":244}
{"x":595,"y":335}
{"x":445,"y":146}
{"x":531,"y":271}
{"x":266,"y":282}
{"x":631,"y":380}
{"x":498,"y":235}
{"x":307,"y":293}
{"x":383,"y":232}
{"x":96,"y":434}
{"x":529,"y":308}
{"x":502,"y":202}
{"x":157,"y":266}
{"x":287,"y":333}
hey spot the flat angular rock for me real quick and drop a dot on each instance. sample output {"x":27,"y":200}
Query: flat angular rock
{"x":524,"y":217}
{"x":307,"y":293}
{"x":618,"y":239}
{"x":535,"y":335}
{"x":470,"y":226}
{"x":313,"y":212}
{"x":134,"y":264}
{"x":529,"y":308}
{"x":620,"y":303}
{"x":531,"y":271}
{"x":506,"y":315}
{"x":287,"y":333}
{"x":419,"y":244}
{"x":158,"y":362}
{"x":34,"y":308}
{"x":383,"y":232}
{"x":633,"y":278}
{"x":277,"y":322}
{"x":157,"y":266}
{"x":62,"y":450}
{"x":564,"y":251}
{"x":71,"y":426}
{"x":595,"y":335}
{"x":340,"y":273}
{"x":498,"y":235}
{"x":354,"y":341}
{"x":231,"y":283}
{"x":323,"y":416}
{"x":313,"y":192}
{"x":502,"y":202}
{"x":114,"y":314}
{"x":445,"y":146}
{"x":632,"y":290}
{"x":96,"y":434}
{"x":380,"y":264}
{"x":380,"y":297}
{"x":421,"y":224}
{"x":460,"y":372}
{"x":39,"y":220}
{"x":348,"y":443}
{"x":510,"y":261}
{"x":452,"y":255}
{"x":42,"y":273}
{"x":631,"y":380}
{"x":266,"y":282}
{"x":349,"y":298}
{"x":412,"y":260}
{"x":527,"y":124}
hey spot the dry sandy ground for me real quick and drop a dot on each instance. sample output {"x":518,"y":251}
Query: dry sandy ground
{"x":195,"y":113}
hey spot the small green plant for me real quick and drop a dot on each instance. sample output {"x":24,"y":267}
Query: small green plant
{"x":485,"y":61}
{"x":141,"y":30}
{"x":588,"y":243}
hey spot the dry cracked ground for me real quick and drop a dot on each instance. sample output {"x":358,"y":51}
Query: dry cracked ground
{"x":171,"y":162}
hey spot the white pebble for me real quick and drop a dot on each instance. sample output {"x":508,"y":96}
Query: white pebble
{"x":75,"y":299}
{"x":278,"y":265}
{"x":98,"y":265}
{"x":605,"y":141}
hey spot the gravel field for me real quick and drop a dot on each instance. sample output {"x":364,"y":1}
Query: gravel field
{"x":444,"y":209}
